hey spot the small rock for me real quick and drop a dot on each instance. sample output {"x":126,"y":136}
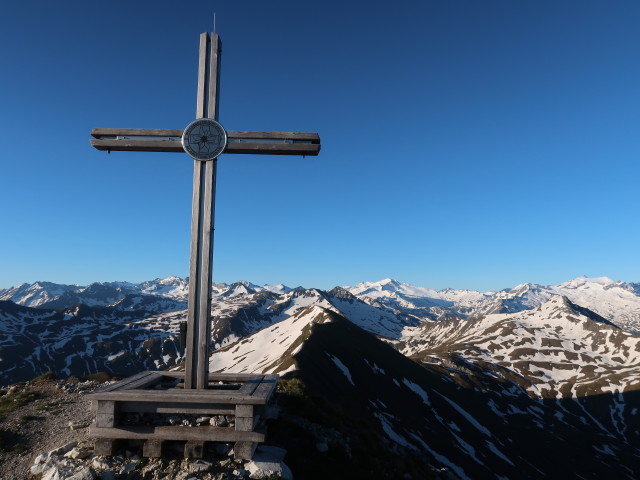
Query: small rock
{"x":184,"y":476}
{"x":322,"y":447}
{"x":219,"y":421}
{"x":268,"y":461}
{"x":62,"y":450}
{"x":39,"y":469}
{"x":203,"y":419}
{"x":100,"y":465}
{"x":129,"y":467}
{"x":78,"y":453}
{"x":200,"y":466}
{"x":84,"y":474}
{"x":75,"y":426}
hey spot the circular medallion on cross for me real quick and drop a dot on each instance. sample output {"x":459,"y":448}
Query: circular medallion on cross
{"x":204,"y":139}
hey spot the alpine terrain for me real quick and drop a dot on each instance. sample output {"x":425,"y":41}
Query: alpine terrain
{"x":528,"y":382}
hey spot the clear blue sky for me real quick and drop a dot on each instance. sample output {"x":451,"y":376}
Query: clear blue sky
{"x":465,"y":144}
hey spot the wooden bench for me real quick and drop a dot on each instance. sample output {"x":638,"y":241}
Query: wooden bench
{"x":242,"y":396}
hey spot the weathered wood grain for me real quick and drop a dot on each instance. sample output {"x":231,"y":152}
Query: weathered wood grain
{"x":176,"y":407}
{"x":204,"y":433}
{"x":123,"y":383}
{"x":231,"y":134}
{"x":166,"y":146}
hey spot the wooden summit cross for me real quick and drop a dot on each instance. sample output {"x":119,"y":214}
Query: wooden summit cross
{"x":204,"y":139}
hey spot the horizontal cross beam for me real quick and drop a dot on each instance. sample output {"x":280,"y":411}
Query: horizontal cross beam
{"x":160,"y":140}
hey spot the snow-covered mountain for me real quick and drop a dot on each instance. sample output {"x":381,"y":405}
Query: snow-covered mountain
{"x":465,"y":418}
{"x":507,"y":384}
{"x":561,"y":349}
{"x":618,"y":302}
{"x":81,"y":340}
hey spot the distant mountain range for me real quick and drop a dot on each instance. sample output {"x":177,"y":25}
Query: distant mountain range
{"x":529,"y":382}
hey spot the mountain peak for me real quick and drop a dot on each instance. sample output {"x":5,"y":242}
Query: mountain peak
{"x":585,"y":282}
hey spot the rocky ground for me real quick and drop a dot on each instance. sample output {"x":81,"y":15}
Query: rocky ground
{"x":44,"y":434}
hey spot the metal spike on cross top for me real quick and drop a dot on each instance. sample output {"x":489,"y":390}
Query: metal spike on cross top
{"x":204,"y":140}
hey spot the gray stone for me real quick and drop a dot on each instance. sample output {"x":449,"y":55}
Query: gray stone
{"x":267,"y":461}
{"x":199,"y":466}
{"x":78,"y":453}
{"x":58,"y":471}
{"x":185,"y":476}
{"x":62,"y":450}
{"x":100,"y":464}
{"x":39,"y":468}
{"x":219,"y":421}
{"x":84,"y":474}
{"x":203,"y":419}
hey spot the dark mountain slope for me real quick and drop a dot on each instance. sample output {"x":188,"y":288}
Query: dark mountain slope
{"x":467,"y":419}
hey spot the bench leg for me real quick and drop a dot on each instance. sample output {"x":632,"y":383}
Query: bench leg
{"x":194,"y":449}
{"x":244,"y":450}
{"x":152,"y":448}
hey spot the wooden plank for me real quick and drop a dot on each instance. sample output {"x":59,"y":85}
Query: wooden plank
{"x":145,"y":132}
{"x":273,"y":148}
{"x":311,"y":149}
{"x":266,"y":387}
{"x":137,"y":145}
{"x":187,"y":396}
{"x":144,"y":382}
{"x":220,"y":377}
{"x":201,"y":103}
{"x":231,"y":134}
{"x":203,"y":433}
{"x":122,"y":383}
{"x":250,"y":385}
{"x":213,"y":95}
{"x":203,"y":208}
{"x":302,"y":136}
{"x":175,"y":407}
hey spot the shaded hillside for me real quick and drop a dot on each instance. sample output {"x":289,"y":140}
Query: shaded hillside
{"x":467,"y":419}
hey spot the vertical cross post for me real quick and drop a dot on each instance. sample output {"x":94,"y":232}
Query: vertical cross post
{"x":202,"y":220}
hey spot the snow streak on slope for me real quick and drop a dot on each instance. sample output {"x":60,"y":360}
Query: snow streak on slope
{"x":270,"y":350}
{"x":562,"y":349}
{"x":459,"y":416}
